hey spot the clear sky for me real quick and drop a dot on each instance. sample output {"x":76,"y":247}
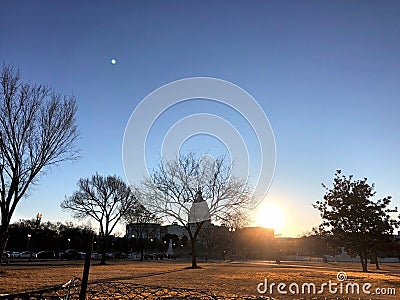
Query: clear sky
{"x":326,"y":74}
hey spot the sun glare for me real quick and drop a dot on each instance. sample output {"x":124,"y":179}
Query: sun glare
{"x":269,"y":215}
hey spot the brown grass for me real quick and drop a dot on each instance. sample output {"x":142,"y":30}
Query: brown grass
{"x":220,"y":278}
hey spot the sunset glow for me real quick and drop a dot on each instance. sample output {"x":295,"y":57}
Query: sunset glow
{"x":269,"y":215}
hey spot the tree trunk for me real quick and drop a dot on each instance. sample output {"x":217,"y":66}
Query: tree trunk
{"x":364,"y":263}
{"x":376,"y":262}
{"x":3,"y":238}
{"x":194,"y":254}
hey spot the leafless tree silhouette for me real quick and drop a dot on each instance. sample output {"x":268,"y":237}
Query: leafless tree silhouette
{"x":143,"y":220}
{"x":104,"y":199}
{"x":192,"y":192}
{"x":37,"y":130}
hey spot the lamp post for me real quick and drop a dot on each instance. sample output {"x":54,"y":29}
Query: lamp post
{"x":232,"y":233}
{"x":95,"y":246}
{"x":37,"y":224}
{"x":58,"y":243}
{"x":132,"y":242}
{"x":29,"y":239}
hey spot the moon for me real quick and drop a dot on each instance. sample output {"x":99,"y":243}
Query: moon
{"x":113,"y":61}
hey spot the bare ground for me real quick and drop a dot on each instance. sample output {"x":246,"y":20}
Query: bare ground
{"x":236,"y":278}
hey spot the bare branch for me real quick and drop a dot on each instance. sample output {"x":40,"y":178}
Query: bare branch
{"x":105,"y":199}
{"x":37,"y":130}
{"x":174,"y":187}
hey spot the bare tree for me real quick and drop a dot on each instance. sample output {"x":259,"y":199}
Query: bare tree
{"x":213,"y":237}
{"x":142,"y":221}
{"x":104,"y":199}
{"x":192,"y":192}
{"x":237,"y":218}
{"x":37,"y":130}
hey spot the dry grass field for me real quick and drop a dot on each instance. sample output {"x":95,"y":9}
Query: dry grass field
{"x":224,"y":279}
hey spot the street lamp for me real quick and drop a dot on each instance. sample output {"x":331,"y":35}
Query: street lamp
{"x":37,"y":224}
{"x":232,"y":232}
{"x":132,"y":243}
{"x":29,"y":238}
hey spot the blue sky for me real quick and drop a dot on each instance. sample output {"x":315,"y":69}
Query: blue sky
{"x":325,"y":73}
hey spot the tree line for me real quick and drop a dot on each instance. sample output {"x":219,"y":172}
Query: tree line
{"x":26,"y":235}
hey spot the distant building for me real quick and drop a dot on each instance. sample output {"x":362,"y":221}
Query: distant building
{"x":146,"y":231}
{"x":214,"y":240}
{"x":175,"y":229}
{"x":254,"y":242}
{"x":288,"y":245}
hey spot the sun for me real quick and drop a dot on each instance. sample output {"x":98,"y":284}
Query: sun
{"x":269,"y":215}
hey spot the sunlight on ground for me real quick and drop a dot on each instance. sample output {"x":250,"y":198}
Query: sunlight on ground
{"x":119,"y":278}
{"x":269,"y":215}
